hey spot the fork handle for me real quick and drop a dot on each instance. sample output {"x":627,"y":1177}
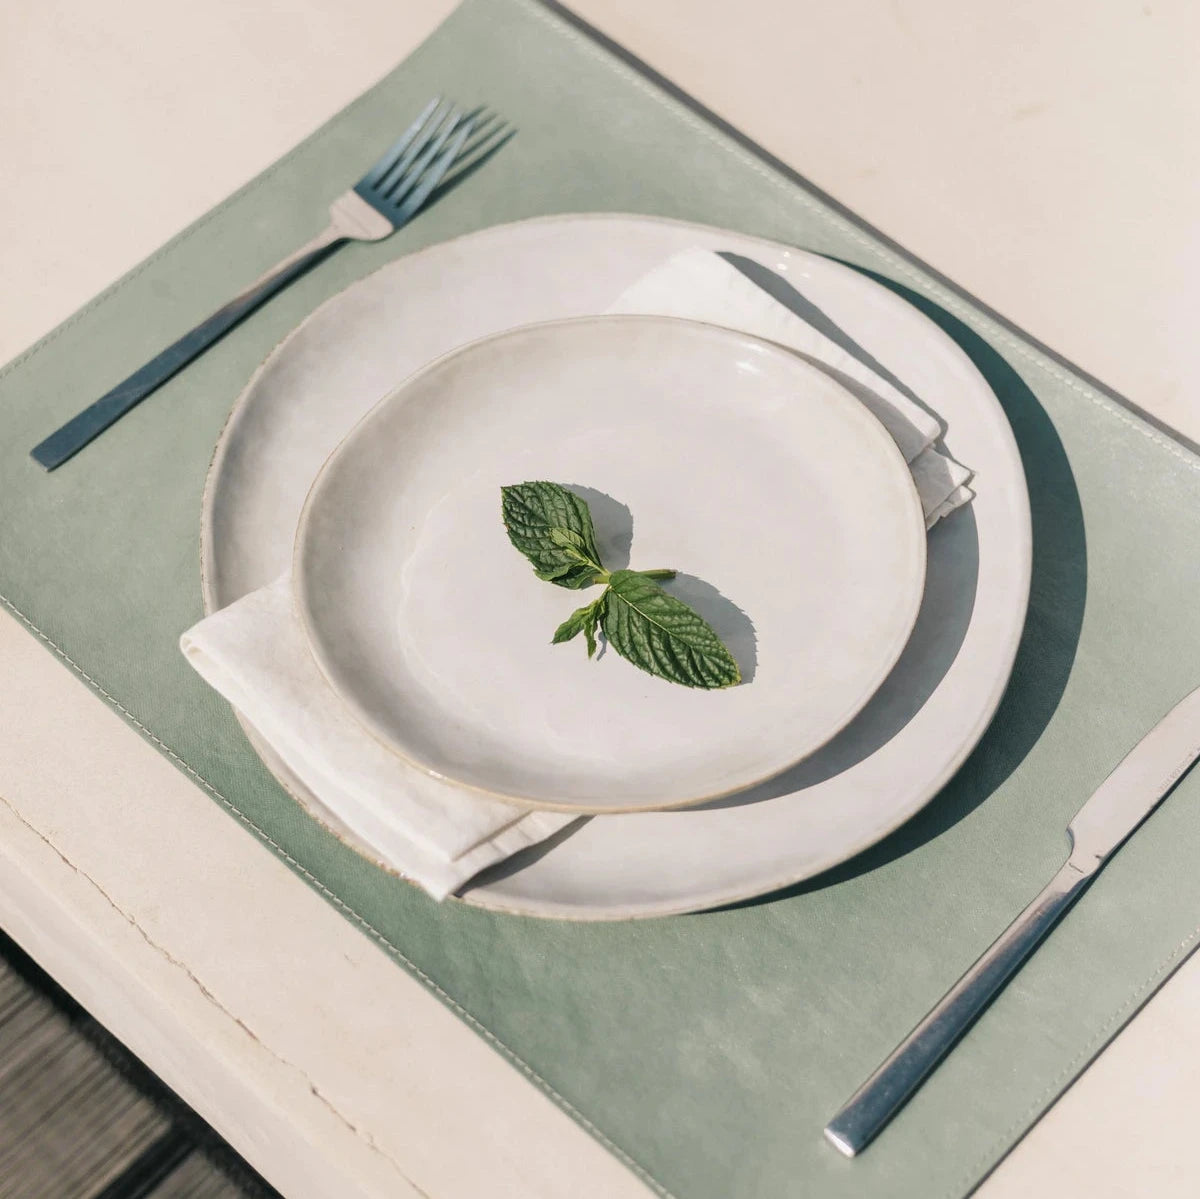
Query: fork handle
{"x":113,"y":405}
{"x":886,"y":1091}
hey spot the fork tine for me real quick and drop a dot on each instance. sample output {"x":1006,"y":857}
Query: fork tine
{"x":479,"y":148}
{"x":485,"y":124}
{"x":433,"y":176}
{"x":400,"y":168}
{"x":418,"y":168}
{"x":389,"y":160}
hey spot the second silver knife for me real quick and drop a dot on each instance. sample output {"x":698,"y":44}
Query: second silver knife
{"x":1134,"y":789}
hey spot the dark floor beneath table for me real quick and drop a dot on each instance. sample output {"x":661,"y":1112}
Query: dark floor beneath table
{"x":82,"y":1118}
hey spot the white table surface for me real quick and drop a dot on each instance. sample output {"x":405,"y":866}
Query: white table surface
{"x":1046,"y":157}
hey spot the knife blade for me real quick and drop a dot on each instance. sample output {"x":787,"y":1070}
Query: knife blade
{"x":1139,"y":783}
{"x":1136,"y":786}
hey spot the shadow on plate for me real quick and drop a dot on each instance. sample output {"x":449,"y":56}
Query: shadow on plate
{"x":1051,"y":635}
{"x":780,"y":290}
{"x":729,"y":622}
{"x":613,"y":523}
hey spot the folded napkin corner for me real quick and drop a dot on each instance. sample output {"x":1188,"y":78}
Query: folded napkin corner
{"x":701,"y":285}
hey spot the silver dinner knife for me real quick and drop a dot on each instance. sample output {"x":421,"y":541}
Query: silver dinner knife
{"x":1134,"y":789}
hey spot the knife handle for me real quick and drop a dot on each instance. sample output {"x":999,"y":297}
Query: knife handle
{"x":886,"y":1091}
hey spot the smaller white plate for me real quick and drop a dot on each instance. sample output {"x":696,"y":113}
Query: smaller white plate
{"x":785,"y":506}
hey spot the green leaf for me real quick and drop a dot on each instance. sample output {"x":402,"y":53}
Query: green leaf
{"x":583,"y":620}
{"x":663,"y":636}
{"x":552,"y":527}
{"x":655,"y":631}
{"x":575,"y":546}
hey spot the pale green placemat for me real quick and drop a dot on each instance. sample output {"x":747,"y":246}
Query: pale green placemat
{"x":707,"y":1051}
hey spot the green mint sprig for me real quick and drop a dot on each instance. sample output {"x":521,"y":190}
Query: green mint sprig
{"x":646,"y":625}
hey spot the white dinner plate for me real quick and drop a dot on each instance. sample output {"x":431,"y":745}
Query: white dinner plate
{"x":783,"y":504}
{"x":879,"y":771}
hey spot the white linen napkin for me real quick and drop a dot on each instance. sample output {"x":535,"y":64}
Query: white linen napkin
{"x":702,"y":286}
{"x":255,"y":652}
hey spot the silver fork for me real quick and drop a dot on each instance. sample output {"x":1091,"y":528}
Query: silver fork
{"x":388,"y":196}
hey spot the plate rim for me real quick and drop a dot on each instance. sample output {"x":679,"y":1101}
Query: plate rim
{"x":913,"y":522}
{"x":478,"y":897}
